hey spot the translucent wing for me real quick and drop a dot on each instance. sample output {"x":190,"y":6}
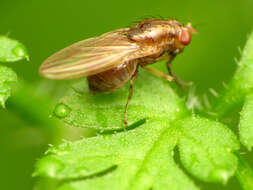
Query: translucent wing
{"x":90,"y":56}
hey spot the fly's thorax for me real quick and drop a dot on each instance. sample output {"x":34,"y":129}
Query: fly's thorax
{"x":170,"y":35}
{"x":154,"y":31}
{"x":151,"y":34}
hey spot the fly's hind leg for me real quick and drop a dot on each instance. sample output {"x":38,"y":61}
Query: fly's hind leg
{"x":133,"y":78}
{"x":159,"y":74}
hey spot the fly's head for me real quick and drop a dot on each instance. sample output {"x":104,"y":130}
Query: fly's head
{"x":183,"y":35}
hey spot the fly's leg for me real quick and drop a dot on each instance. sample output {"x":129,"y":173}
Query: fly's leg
{"x":133,"y":78}
{"x":159,"y":74}
{"x":179,"y":81}
{"x":92,"y":92}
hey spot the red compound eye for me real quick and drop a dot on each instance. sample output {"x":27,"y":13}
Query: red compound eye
{"x":185,"y":37}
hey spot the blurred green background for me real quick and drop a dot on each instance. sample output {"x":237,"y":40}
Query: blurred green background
{"x":47,"y":26}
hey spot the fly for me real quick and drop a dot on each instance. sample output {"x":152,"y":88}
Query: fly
{"x":110,"y":60}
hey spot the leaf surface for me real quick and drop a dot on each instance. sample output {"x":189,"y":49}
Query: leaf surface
{"x":11,"y":50}
{"x":7,"y":78}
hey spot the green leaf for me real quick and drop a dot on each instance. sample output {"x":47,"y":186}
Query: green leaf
{"x":143,"y":158}
{"x":240,"y":92}
{"x":138,"y":159}
{"x":7,"y":78}
{"x":11,"y":50}
{"x":151,"y":98}
{"x":206,"y":149}
{"x":241,"y":84}
{"x":246,"y":123}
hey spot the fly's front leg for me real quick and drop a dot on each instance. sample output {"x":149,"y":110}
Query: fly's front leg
{"x":179,"y":81}
{"x":133,"y":78}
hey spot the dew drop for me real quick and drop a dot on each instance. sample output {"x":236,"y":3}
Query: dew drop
{"x":19,"y":51}
{"x":49,"y":166}
{"x":2,"y":100}
{"x":62,"y":110}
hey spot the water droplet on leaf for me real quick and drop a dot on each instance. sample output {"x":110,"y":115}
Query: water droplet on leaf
{"x":62,"y":110}
{"x":49,"y":166}
{"x":2,"y":100}
{"x":19,"y":51}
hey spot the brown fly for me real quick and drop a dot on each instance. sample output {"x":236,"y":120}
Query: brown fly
{"x":110,"y":60}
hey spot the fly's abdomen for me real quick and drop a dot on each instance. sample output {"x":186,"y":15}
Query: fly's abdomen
{"x":111,"y":80}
